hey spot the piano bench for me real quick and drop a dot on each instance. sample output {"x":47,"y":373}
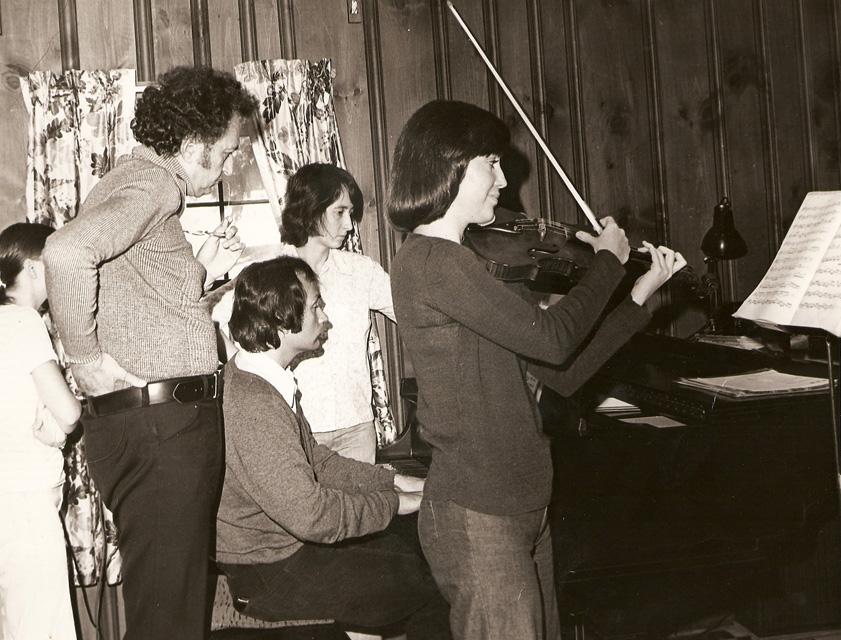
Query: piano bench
{"x":225,"y":615}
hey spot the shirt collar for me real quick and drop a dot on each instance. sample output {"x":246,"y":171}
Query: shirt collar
{"x":169,"y":163}
{"x":330,"y":262}
{"x":260,"y":364}
{"x":333,"y":261}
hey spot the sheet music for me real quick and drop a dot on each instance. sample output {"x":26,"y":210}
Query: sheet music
{"x":755,"y":383}
{"x":615,"y":405}
{"x":661,"y":422}
{"x":803,"y":285}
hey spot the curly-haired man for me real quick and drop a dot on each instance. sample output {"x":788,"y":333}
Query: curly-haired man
{"x":126,"y":294}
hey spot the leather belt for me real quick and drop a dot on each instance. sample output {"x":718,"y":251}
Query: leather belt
{"x":182,"y":390}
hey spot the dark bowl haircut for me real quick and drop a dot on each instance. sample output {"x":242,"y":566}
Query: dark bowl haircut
{"x":19,"y":242}
{"x":310,"y":190}
{"x":269,"y":296}
{"x":432,"y":153}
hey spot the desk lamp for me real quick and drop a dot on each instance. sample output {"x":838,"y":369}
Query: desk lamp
{"x":721,"y":242}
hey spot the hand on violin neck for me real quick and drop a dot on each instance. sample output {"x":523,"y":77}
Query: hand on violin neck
{"x":664,"y":264}
{"x":612,"y":238}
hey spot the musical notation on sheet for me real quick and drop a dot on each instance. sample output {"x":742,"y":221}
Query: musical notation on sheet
{"x":803,"y":285}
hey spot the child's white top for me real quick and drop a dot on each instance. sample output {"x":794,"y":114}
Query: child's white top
{"x":26,"y":464}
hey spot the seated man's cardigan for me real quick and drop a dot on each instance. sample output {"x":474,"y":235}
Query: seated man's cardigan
{"x":282,"y":488}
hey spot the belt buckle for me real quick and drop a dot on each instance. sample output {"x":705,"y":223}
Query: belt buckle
{"x":199,"y":388}
{"x":189,"y":390}
{"x":213,"y":381}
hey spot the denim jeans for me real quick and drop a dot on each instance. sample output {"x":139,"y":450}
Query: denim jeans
{"x":158,"y":469}
{"x":364,"y":583}
{"x":495,"y":571}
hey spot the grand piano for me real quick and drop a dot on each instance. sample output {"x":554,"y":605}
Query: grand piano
{"x":654,"y":527}
{"x":699,"y":516}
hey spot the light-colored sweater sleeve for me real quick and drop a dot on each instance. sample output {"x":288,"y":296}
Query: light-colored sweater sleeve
{"x":379,"y":292}
{"x":109,"y":224}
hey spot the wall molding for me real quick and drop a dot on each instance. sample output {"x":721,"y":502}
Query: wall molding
{"x":395,"y":367}
{"x":248,"y":31}
{"x":200,"y":25}
{"x":144,"y":41}
{"x":68,"y":34}
{"x":441,"y":50}
{"x":539,"y":115}
{"x":286,"y":20}
{"x":491,"y":48}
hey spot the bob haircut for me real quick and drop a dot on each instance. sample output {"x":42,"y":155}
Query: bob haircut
{"x":269,"y":296}
{"x":19,"y":242}
{"x":310,"y":190}
{"x":189,"y":103}
{"x":432,"y":153}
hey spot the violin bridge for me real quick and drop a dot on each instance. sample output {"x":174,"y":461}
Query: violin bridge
{"x":541,"y":228}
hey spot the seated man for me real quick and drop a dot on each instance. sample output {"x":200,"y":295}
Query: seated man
{"x":302,"y":532}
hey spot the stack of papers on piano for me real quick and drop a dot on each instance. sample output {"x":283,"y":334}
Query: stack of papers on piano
{"x":738,"y":342}
{"x":765,"y":382}
{"x":615,"y":405}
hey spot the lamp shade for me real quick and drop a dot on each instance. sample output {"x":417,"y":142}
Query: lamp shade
{"x":722,"y":241}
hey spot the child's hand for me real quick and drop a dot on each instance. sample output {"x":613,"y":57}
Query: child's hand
{"x":46,"y":429}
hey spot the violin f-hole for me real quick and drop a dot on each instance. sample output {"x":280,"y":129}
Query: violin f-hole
{"x":544,"y":252}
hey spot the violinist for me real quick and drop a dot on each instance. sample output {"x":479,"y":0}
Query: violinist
{"x":483,"y":519}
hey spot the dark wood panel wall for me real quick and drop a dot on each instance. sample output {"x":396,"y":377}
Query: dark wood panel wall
{"x":656,"y":109}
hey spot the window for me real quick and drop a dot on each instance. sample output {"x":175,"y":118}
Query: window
{"x":240,"y":197}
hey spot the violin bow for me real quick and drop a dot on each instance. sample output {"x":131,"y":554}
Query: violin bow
{"x":540,"y":141}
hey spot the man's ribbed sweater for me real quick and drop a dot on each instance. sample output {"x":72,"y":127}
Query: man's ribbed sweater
{"x":122,"y":278}
{"x":281,"y":487}
{"x":469,"y":337}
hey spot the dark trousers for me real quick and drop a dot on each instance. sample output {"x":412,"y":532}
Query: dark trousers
{"x":158,"y":469}
{"x":363,"y":584}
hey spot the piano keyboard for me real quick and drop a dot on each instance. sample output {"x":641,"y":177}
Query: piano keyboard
{"x":409,"y":466}
{"x":407,"y":455}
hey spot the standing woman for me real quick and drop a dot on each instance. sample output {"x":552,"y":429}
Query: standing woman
{"x":322,"y":202}
{"x":483,"y":520}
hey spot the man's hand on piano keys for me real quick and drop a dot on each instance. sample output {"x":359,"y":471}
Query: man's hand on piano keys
{"x":409,"y":502}
{"x":408,"y":484}
{"x":409,"y":492}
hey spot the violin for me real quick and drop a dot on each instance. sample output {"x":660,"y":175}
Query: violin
{"x":544,"y":254}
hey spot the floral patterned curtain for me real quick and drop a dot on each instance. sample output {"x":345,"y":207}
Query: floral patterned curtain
{"x":79,"y":123}
{"x":296,"y":125}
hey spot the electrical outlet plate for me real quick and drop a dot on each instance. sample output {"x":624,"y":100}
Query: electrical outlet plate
{"x":354,"y":11}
